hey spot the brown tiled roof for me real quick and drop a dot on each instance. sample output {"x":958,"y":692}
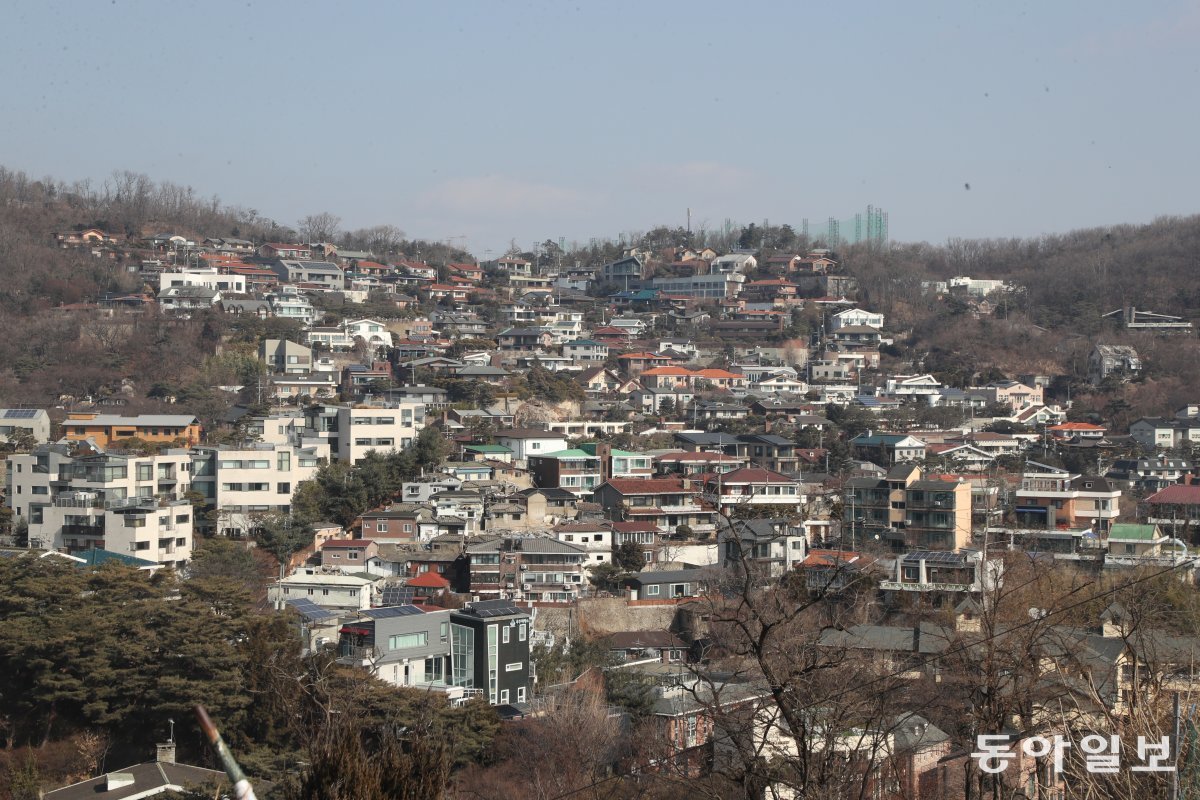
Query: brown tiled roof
{"x":647,"y":485}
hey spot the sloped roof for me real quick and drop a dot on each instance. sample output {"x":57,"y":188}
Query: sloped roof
{"x":647,"y":485}
{"x":429,"y":580}
{"x":1126,"y":531}
{"x":1178,"y":494}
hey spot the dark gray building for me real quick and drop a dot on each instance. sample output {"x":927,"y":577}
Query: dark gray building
{"x":490,"y":651}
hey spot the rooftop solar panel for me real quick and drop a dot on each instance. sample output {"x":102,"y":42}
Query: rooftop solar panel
{"x":394,"y":611}
{"x":397,"y":596}
{"x":20,"y":413}
{"x":936,"y":557}
{"x":310,"y":610}
{"x":495,"y":608}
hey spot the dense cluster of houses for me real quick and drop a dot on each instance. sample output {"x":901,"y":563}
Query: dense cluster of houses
{"x":693,"y":361}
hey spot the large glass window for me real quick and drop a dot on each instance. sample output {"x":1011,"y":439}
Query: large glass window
{"x":462,"y":658}
{"x":405,"y":641}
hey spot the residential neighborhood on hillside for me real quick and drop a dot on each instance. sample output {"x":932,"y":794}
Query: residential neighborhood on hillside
{"x":533,"y":484}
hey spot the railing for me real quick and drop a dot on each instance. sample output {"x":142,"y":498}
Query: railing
{"x":928,"y":587}
{"x":357,"y":654}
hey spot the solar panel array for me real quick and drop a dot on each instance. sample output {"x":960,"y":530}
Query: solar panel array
{"x":394,"y":611}
{"x":397,"y":596}
{"x":310,"y":610}
{"x":496,"y":608}
{"x":20,"y":413}
{"x":936,"y":557}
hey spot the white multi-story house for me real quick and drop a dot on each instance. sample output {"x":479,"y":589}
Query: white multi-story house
{"x":290,"y":304}
{"x":326,"y":588}
{"x":203,"y":276}
{"x":373,"y":332}
{"x":124,"y":502}
{"x":525,"y":442}
{"x":329,"y":337}
{"x":925,"y":386}
{"x":594,"y":537}
{"x":383,"y":429}
{"x":242,"y":481}
{"x":853,"y":317}
{"x":34,"y":421}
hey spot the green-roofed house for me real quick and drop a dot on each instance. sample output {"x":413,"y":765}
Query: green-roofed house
{"x":96,"y":557}
{"x":1130,"y":543}
{"x":616,"y":463}
{"x":487,"y":452}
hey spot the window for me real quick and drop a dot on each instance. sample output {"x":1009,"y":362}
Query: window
{"x":283,"y":462}
{"x":145,"y":472}
{"x":506,"y":634}
{"x":520,"y":694}
{"x":284,"y":488}
{"x":182,"y":517}
{"x":381,"y":526}
{"x":521,"y":632}
{"x":405,"y":641}
{"x":258,"y":464}
{"x":444,"y":631}
{"x":504,"y":696}
{"x":652,"y":590}
{"x":514,"y":667}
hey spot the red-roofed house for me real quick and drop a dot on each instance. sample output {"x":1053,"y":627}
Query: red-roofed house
{"x":1176,"y":508}
{"x":1081,"y":430}
{"x":665,"y":503}
{"x":300,"y":252}
{"x":429,"y":584}
{"x":471,"y":272}
{"x":611,"y":336}
{"x":349,"y":554}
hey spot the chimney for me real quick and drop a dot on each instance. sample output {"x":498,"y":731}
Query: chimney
{"x":165,"y":752}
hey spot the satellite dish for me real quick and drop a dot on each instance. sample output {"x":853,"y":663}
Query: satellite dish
{"x":1037,"y":613}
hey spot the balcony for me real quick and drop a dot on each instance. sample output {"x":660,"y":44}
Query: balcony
{"x":359,"y":655}
{"x":903,"y":586}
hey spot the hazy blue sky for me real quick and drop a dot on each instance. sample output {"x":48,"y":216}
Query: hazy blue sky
{"x":536,"y":120}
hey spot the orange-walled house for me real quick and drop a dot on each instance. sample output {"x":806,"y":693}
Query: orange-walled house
{"x":111,"y":429}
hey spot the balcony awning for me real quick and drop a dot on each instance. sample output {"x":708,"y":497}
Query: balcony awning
{"x":355,"y":631}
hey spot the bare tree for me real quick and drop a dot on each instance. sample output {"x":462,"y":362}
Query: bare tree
{"x":323,"y":227}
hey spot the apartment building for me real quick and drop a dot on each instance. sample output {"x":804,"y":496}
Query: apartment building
{"x":242,"y":481}
{"x":354,"y":431}
{"x":907,"y":511}
{"x":77,"y":499}
{"x":666,"y":503}
{"x":1051,"y":497}
{"x":534,"y":568}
